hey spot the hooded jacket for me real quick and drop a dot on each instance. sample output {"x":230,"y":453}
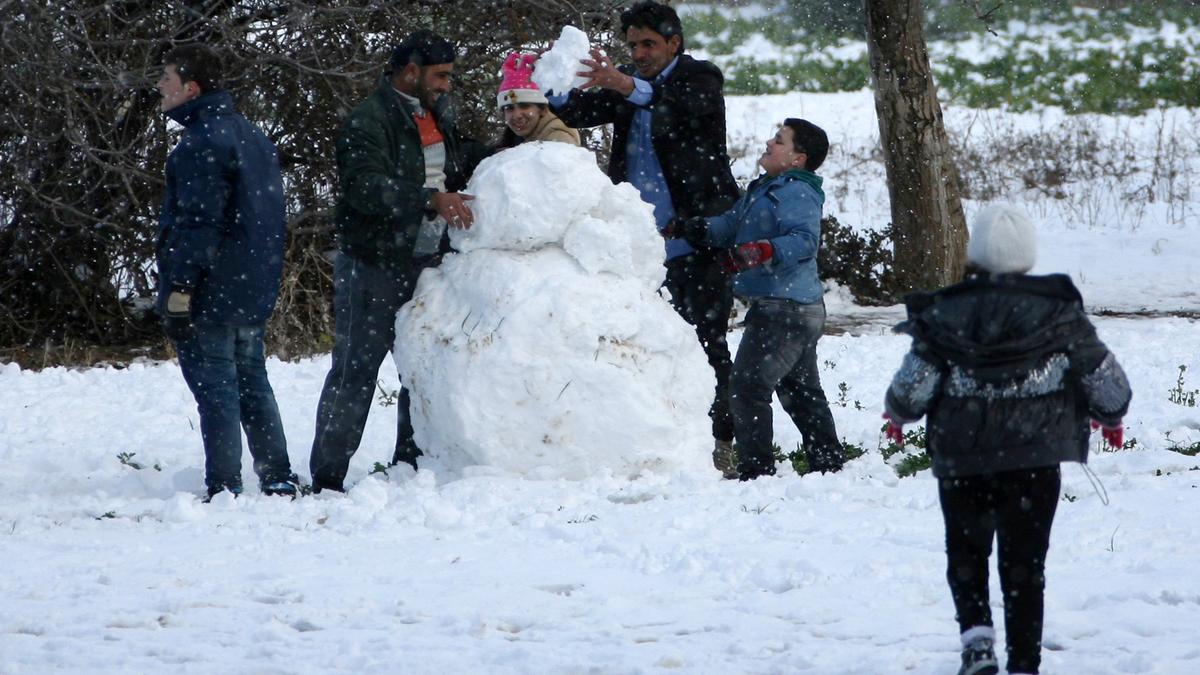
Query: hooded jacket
{"x":222,"y":227}
{"x":1008,"y":369}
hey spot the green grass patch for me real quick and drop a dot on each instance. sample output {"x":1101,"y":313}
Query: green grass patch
{"x":1071,"y":69}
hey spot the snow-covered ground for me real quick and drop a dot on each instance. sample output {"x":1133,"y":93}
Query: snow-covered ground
{"x":109,"y":568}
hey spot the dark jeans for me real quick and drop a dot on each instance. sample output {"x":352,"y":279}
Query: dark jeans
{"x":365,"y":301}
{"x":1018,"y":508}
{"x":700,"y":293}
{"x":778,"y":355}
{"x":225,"y":368}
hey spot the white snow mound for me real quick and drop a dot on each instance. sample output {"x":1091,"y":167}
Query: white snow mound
{"x":555,"y":70}
{"x":540,"y":194}
{"x":543,"y":348}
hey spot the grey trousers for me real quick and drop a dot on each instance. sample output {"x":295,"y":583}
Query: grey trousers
{"x":778,"y":355}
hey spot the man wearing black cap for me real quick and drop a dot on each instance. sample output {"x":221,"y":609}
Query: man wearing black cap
{"x":400,"y":161}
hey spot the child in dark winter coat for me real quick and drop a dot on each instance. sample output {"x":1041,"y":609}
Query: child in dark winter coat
{"x":1008,"y":370}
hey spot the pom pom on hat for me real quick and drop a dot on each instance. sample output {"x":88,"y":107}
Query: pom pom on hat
{"x":1002,"y":240}
{"x":517,"y":85}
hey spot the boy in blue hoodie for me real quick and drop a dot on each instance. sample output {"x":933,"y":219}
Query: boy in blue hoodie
{"x":771,"y":237}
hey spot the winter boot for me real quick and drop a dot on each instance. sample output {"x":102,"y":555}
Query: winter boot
{"x":406,"y":453}
{"x":283,"y":487}
{"x":725,"y":459}
{"x":978,"y":658}
{"x":825,"y":460}
{"x":320,"y":484}
{"x":754,"y":470}
{"x":214,"y":490}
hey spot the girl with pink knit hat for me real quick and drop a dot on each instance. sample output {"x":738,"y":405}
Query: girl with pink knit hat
{"x":527,"y":116}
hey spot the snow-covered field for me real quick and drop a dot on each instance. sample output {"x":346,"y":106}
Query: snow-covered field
{"x":107,"y":568}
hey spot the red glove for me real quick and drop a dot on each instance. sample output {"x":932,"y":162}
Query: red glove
{"x":1114,"y":436}
{"x":745,"y":256}
{"x":895,"y":430}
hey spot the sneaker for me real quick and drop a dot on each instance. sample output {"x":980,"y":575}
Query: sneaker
{"x":978,"y":658}
{"x":283,"y":488}
{"x":725,"y":459}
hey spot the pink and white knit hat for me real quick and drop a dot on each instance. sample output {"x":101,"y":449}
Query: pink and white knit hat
{"x":517,"y":85}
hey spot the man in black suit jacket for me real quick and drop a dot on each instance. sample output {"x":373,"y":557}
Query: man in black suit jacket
{"x":668,"y":115}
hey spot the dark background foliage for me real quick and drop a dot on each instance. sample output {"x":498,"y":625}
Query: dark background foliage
{"x":83,"y":144}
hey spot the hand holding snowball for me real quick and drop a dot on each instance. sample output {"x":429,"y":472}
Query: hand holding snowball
{"x":604,"y":74}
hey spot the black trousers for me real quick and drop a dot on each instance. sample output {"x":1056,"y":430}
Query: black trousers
{"x":702,"y":295}
{"x":1016,"y":507}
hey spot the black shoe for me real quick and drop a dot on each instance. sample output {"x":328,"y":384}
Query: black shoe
{"x":829,"y":460}
{"x":283,"y":487}
{"x":408,"y":454}
{"x":320,"y":484}
{"x":752,"y":471}
{"x":214,"y":490}
{"x":978,"y":658}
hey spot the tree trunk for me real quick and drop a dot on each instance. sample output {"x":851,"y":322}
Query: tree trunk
{"x":929,"y":233}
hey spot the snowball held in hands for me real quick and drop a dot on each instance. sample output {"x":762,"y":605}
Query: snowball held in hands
{"x":556,"y":69}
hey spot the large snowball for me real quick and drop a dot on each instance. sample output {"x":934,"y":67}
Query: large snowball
{"x":555,"y":70}
{"x":543,"y":348}
{"x":541,"y":194}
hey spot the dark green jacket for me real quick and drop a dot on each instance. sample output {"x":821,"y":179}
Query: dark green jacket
{"x":382,"y":175}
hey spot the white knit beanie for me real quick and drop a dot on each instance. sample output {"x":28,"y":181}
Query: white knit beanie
{"x":1002,"y":240}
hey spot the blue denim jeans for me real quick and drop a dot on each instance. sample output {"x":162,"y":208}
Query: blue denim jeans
{"x":778,"y":355}
{"x":365,"y":301}
{"x":225,"y":368}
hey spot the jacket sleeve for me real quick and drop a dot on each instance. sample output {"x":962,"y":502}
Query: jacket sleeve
{"x":722,"y":229}
{"x":366,"y":175}
{"x":204,"y":179}
{"x":1108,"y":392}
{"x":471,"y":153}
{"x":798,"y":213}
{"x":913,"y":389}
{"x":1102,"y":379}
{"x":589,"y":108}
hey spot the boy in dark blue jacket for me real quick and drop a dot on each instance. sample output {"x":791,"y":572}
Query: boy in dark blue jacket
{"x":771,"y":237}
{"x":220,"y":259}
